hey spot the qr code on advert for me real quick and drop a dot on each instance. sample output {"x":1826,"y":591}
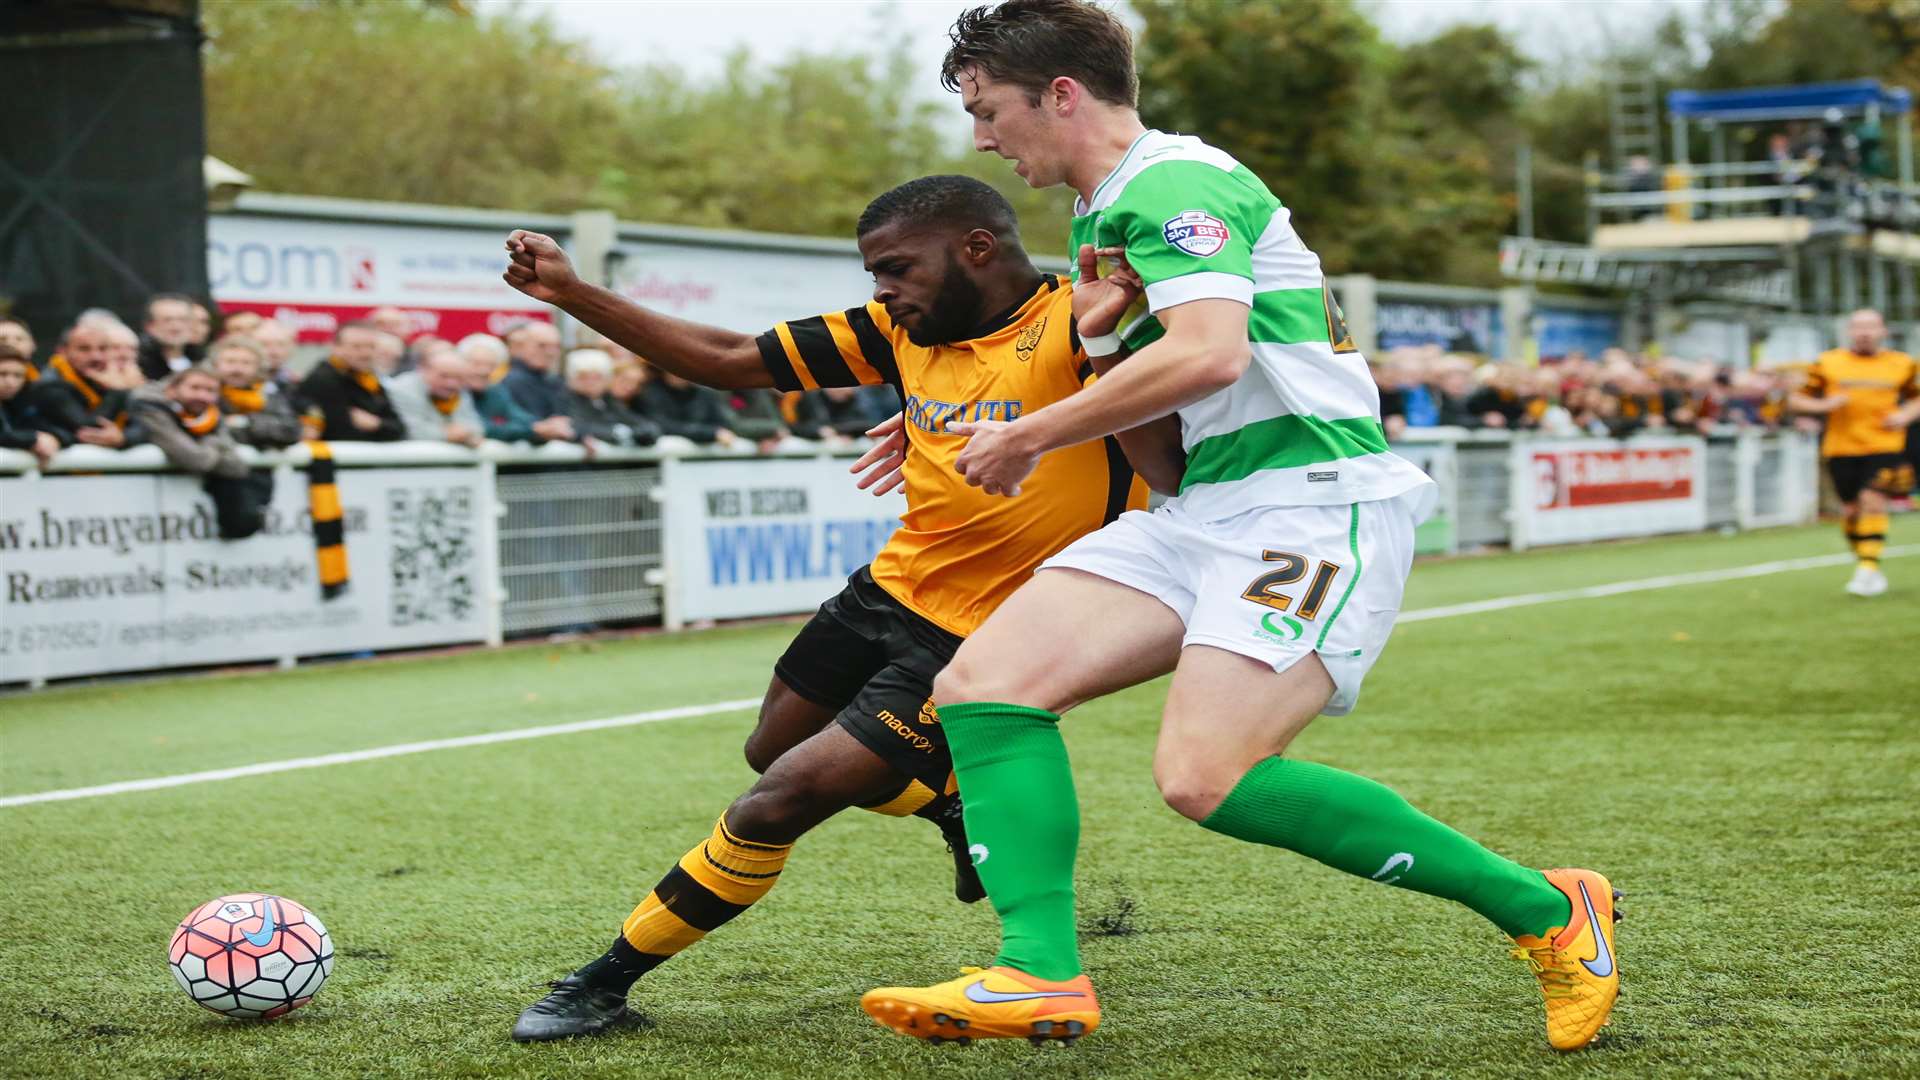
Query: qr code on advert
{"x":434,"y":563}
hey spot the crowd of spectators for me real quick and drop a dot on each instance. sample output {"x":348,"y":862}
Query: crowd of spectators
{"x":1617,"y":394}
{"x":198,"y":385}
{"x":105,"y":384}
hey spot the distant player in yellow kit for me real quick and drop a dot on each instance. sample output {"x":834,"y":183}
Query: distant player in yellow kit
{"x":1868,"y":395}
{"x":966,"y":328}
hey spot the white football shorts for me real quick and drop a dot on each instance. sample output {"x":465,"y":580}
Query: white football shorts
{"x":1273,"y":583}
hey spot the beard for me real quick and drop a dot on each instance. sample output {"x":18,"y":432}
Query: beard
{"x":954,"y":313}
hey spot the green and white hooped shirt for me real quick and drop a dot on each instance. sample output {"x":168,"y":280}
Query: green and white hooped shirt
{"x":1302,"y":425}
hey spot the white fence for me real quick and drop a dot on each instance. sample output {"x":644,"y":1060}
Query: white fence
{"x":109,"y":563}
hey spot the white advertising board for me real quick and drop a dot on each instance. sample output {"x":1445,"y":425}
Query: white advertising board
{"x":125,"y":573}
{"x":313,"y":275}
{"x":768,"y":536}
{"x":742,"y":289}
{"x":1576,"y":490}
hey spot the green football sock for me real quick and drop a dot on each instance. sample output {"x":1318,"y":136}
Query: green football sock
{"x":1354,"y":824}
{"x":1023,"y":828}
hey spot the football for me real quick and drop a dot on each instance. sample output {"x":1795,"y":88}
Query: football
{"x":250,"y":955}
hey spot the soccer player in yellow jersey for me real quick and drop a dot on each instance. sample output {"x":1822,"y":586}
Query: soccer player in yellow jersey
{"x":1868,"y":395}
{"x":966,"y":328}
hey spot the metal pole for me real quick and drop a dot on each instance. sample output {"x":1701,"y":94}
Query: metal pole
{"x":1877,"y":291}
{"x":1906,"y":171}
{"x":1523,"y":187}
{"x":1849,"y":279}
{"x":1590,"y":166}
{"x":1680,"y":140}
{"x":1718,"y":150}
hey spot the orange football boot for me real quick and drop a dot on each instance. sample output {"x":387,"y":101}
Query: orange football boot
{"x":1578,"y":969}
{"x":988,"y":1003}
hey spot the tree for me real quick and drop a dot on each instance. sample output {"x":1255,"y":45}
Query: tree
{"x":1293,"y":90}
{"x":420,"y":102}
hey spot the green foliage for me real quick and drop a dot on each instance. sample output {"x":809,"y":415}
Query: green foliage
{"x":1292,"y":90}
{"x":1396,"y":159}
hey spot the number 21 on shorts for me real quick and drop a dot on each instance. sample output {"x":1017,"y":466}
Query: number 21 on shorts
{"x":1265,"y":589}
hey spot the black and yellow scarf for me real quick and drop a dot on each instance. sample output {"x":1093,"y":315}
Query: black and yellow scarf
{"x":368,"y":380}
{"x":244,"y":400}
{"x":89,"y":392}
{"x":329,"y":532}
{"x":448,"y":406}
{"x":200,"y":425}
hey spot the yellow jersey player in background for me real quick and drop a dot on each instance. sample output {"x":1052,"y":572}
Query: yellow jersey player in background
{"x":1868,"y":395}
{"x":966,"y":328}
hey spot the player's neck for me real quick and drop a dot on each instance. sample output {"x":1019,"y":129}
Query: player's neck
{"x":1006,"y":292}
{"x":1106,"y":144}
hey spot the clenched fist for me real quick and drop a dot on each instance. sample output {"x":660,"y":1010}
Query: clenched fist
{"x":536,"y":266}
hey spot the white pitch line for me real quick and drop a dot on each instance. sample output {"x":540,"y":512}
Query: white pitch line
{"x":155,"y":783}
{"x":1501,"y":603}
{"x":1698,"y":577}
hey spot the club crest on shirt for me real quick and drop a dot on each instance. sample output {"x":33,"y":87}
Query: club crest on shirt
{"x":1196,"y":232}
{"x":1029,"y":340}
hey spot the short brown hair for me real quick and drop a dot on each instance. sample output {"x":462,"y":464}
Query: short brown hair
{"x":11,"y":355}
{"x":1030,"y":43}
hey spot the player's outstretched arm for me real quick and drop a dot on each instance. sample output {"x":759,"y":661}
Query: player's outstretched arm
{"x":704,"y":354}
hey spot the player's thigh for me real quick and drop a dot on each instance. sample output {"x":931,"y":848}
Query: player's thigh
{"x":821,"y":672}
{"x":810,"y":783}
{"x":1065,"y":637}
{"x":1225,"y":713}
{"x":786,"y":720}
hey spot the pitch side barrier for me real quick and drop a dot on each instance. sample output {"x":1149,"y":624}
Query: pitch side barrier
{"x":109,"y":561}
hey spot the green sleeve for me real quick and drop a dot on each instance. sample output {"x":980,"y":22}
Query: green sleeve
{"x":1188,"y":220}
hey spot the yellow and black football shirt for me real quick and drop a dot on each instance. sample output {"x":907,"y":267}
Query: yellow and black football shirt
{"x":1874,"y":387}
{"x":959,"y":553}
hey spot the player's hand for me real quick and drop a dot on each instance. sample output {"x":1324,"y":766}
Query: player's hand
{"x":883,"y":463}
{"x":996,"y":459}
{"x":536,"y":266}
{"x":1098,"y":302}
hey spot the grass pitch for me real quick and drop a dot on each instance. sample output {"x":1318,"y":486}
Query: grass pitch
{"x":1742,"y":757}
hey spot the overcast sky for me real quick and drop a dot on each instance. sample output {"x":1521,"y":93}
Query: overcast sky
{"x":695,"y":35}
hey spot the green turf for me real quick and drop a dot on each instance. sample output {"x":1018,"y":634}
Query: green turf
{"x":1741,"y":757}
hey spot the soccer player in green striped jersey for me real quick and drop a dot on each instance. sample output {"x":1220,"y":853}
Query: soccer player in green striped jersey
{"x":1268,"y":585}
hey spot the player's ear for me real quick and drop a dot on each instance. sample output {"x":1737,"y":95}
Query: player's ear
{"x":979,"y":246}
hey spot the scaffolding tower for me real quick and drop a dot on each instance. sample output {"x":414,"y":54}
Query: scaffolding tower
{"x":1811,"y":231}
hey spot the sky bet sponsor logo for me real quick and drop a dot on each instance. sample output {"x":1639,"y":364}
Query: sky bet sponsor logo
{"x":1196,"y":232}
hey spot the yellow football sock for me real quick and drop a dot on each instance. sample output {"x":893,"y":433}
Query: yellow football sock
{"x":1870,"y":539}
{"x":720,"y":878}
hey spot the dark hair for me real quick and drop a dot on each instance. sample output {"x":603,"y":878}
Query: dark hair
{"x":352,"y":324}
{"x":960,"y":201}
{"x":1030,"y":43}
{"x":163,"y":297}
{"x":17,"y":321}
{"x":11,"y":355}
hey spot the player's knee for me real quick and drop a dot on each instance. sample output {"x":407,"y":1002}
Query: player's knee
{"x":964,"y":680}
{"x":1191,"y":790}
{"x":957,"y":682}
{"x":760,"y":751}
{"x":778,"y":811}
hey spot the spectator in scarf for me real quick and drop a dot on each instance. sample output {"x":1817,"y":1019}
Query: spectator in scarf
{"x":352,"y":404}
{"x":257,"y":413}
{"x":432,"y":399}
{"x":182,"y":417}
